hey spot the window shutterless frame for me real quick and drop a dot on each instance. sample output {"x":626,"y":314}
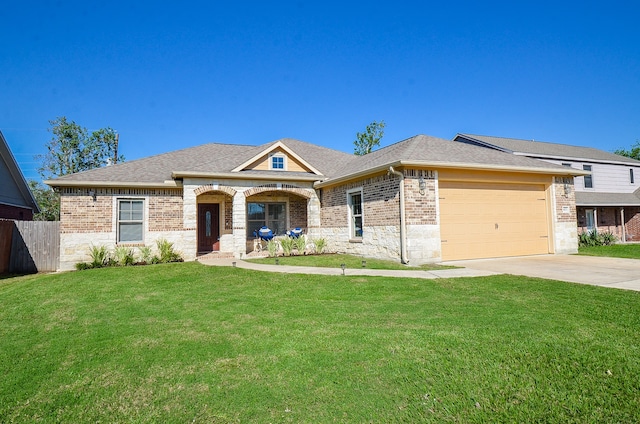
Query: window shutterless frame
{"x":588,"y":179}
{"x":356,"y":223}
{"x":130,"y":221}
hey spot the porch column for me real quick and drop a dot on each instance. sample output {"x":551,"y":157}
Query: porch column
{"x":624,"y":230}
{"x":239,"y":225}
{"x":313,"y":213}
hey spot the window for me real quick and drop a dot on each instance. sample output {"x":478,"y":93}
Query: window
{"x":272,"y":215}
{"x":130,"y":220}
{"x":568,"y":165}
{"x":631,"y":179}
{"x":591,"y":219}
{"x":277,"y":162}
{"x":355,"y":212}
{"x":588,"y":179}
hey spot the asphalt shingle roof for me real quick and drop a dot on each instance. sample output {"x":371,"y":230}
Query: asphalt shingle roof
{"x":541,"y":148}
{"x":587,"y":198}
{"x":206,"y":158}
{"x":434,"y":151}
{"x":217,"y":158}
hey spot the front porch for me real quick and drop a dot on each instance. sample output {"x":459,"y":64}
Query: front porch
{"x":227,"y":218}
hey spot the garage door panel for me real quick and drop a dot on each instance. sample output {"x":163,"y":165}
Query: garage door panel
{"x":479,"y":220}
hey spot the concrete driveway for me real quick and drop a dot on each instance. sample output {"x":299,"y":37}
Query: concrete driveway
{"x":599,"y":271}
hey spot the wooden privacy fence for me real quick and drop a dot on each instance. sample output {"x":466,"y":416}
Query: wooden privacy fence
{"x":29,"y":246}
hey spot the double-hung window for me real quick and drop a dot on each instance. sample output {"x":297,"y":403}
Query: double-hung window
{"x":130,"y":220}
{"x":588,"y":179}
{"x":355,"y":214}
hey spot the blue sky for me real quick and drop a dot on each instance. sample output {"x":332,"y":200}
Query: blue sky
{"x":169,"y":75}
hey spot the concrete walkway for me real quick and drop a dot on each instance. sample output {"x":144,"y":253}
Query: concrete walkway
{"x":607,"y":272}
{"x":444,"y":273}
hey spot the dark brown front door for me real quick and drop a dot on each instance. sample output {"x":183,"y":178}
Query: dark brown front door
{"x":208,"y":227}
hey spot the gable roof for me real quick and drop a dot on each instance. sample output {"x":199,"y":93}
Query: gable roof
{"x":428,"y":151}
{"x":21,"y":195}
{"x":545,"y":150}
{"x":208,"y":160}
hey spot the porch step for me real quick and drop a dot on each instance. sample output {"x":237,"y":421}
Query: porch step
{"x":215,"y":255}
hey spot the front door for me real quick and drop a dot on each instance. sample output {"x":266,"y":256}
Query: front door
{"x":208,"y":227}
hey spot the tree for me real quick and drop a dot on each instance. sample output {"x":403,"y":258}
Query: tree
{"x":72,"y":149}
{"x":370,"y":138}
{"x":48,"y":200}
{"x":633,"y":153}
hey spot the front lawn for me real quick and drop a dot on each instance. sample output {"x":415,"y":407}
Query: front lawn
{"x":184,"y":342}
{"x":350,"y":262}
{"x":631,"y":251}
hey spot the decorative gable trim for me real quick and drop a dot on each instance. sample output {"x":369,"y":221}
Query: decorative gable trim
{"x":277,"y":145}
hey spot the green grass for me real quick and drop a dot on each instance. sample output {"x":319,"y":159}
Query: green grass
{"x":350,"y":261}
{"x":181,"y":343}
{"x":615,"y":250}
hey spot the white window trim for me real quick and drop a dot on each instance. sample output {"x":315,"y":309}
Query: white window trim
{"x":350,"y":193}
{"x":278,"y":155}
{"x":145,"y":218}
{"x":584,"y":183}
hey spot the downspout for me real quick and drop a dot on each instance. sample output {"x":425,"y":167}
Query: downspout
{"x":403,"y":232}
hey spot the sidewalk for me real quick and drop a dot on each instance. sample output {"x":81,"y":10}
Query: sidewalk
{"x":444,"y":273}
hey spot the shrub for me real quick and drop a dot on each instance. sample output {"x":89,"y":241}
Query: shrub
{"x":123,"y":256}
{"x":301,"y":244}
{"x":593,"y":238}
{"x":83,"y":265}
{"x":320,"y":244}
{"x":167,"y":254}
{"x":99,"y":256}
{"x":287,"y":245}
{"x":272,"y":248}
{"x":145,"y":254}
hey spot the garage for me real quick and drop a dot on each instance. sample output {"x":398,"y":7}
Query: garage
{"x":487,"y":220}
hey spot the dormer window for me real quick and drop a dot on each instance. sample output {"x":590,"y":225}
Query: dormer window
{"x":277,"y":162}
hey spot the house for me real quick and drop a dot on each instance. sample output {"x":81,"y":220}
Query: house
{"x":16,"y":199}
{"x":607,"y":199}
{"x":420,"y":200}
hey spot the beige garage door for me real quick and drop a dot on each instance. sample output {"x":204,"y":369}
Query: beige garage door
{"x":482,"y":220}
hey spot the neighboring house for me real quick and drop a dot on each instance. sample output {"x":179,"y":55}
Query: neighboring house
{"x":420,"y":200}
{"x":16,"y":200}
{"x":608,"y":199}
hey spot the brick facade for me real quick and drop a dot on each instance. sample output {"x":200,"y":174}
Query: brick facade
{"x":609,"y":219}
{"x":298,"y":212}
{"x":80,"y":213}
{"x":564,"y":199}
{"x":420,"y":209}
{"x":380,"y":200}
{"x":15,"y":212}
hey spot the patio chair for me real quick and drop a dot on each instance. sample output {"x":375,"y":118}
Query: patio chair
{"x":295,"y":233}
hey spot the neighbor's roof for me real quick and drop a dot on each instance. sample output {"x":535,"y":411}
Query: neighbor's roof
{"x":588,"y":198}
{"x":546,"y":150}
{"x":207,"y":160}
{"x":19,"y":194}
{"x":427,"y":151}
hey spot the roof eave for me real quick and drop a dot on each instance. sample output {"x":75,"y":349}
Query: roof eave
{"x":75,"y":183}
{"x":456,"y":165}
{"x":240,"y":176}
{"x":574,"y":159}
